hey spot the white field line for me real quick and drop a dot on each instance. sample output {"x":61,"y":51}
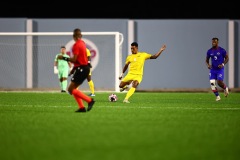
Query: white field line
{"x":127,"y":107}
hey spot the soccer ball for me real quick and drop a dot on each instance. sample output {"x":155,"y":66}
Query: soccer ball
{"x":112,"y":97}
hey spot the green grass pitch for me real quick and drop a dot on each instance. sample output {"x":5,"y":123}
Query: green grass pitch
{"x":154,"y":126}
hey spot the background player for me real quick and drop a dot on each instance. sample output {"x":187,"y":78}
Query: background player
{"x":219,"y":58}
{"x":61,"y":68}
{"x":89,"y":78}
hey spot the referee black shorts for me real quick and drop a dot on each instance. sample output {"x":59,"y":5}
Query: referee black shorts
{"x":80,"y":74}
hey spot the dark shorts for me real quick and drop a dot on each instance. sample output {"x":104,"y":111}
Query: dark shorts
{"x":80,"y":74}
{"x":216,"y":74}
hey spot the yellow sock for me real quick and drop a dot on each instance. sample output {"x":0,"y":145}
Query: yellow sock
{"x":130,"y":92}
{"x":91,"y":86}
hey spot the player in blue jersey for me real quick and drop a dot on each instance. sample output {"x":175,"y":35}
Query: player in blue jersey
{"x":219,"y":58}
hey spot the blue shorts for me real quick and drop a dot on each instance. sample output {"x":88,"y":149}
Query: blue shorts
{"x":216,"y":74}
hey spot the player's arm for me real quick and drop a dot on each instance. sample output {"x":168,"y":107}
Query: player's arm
{"x":55,"y":63}
{"x":71,"y":70}
{"x":89,"y":62}
{"x":70,"y":64}
{"x":207,"y":63}
{"x":55,"y":67}
{"x":124,"y":69}
{"x":155,"y":56}
{"x":226,"y":59}
{"x":69,"y":59}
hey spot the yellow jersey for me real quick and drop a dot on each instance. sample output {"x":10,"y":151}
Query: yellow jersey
{"x":88,"y":52}
{"x":137,"y":62}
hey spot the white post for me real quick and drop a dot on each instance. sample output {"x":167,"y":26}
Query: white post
{"x":29,"y":56}
{"x":117,"y":64}
{"x":231,"y":54}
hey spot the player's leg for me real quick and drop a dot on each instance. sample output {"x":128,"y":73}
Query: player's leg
{"x":136,"y":81}
{"x":73,"y":89}
{"x":220,"y":78}
{"x":127,"y":80}
{"x":213,"y":77}
{"x":214,"y":89}
{"x":60,"y":83}
{"x":124,"y":86}
{"x":91,"y":84}
{"x":64,"y":84}
{"x":64,"y":80}
{"x":60,"y":79}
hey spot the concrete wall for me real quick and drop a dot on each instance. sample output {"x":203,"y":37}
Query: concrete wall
{"x":181,"y":65}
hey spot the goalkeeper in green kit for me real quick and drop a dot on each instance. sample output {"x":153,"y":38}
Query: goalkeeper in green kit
{"x":61,"y":68}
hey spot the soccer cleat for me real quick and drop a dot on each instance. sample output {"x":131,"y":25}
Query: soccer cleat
{"x":81,"y":110}
{"x":226,"y":92}
{"x":90,"y":105}
{"x":63,"y":91}
{"x":125,"y":101}
{"x":124,"y":88}
{"x":218,"y":98}
{"x":92,"y":95}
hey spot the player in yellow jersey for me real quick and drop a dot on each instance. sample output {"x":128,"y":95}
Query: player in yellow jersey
{"x":135,"y":73}
{"x":89,"y":78}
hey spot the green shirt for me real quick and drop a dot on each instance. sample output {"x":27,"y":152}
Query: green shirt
{"x":62,"y":64}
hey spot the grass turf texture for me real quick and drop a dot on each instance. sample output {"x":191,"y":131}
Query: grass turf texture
{"x":154,"y":126}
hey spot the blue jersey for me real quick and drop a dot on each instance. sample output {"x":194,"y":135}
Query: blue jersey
{"x":217,"y":56}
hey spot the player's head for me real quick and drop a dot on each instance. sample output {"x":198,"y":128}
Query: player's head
{"x":134,"y":44}
{"x":77,"y":34}
{"x":134,"y":47}
{"x":63,"y":49}
{"x":214,"y":42}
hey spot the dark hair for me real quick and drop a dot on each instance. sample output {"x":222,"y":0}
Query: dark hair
{"x":63,"y":47}
{"x":215,"y":38}
{"x":134,"y":44}
{"x":77,"y":33}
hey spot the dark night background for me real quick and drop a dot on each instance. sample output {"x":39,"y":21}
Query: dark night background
{"x":120,"y":9}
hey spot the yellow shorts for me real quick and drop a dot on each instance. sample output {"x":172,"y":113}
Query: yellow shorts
{"x":132,"y":77}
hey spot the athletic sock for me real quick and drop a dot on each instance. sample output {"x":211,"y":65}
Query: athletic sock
{"x":130,"y":92}
{"x":79,"y":94}
{"x":216,"y":92}
{"x":64,"y":85}
{"x":224,"y":87}
{"x":91,"y":86}
{"x":79,"y":101}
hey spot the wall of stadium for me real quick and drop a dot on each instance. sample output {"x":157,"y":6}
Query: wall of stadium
{"x":182,"y":64}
